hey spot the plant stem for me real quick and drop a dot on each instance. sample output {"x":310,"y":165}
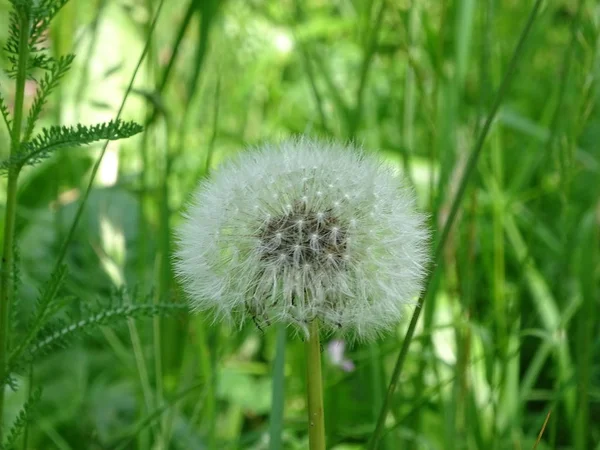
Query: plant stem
{"x":6,"y":280}
{"x":278,"y":397}
{"x":469,"y":170}
{"x":314,"y":385}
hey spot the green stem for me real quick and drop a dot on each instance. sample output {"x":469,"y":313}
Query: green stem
{"x":316,"y":418}
{"x":6,"y":281}
{"x":469,"y":170}
{"x":278,"y":392}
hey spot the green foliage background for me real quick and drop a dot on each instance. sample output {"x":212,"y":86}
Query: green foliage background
{"x":511,"y":329}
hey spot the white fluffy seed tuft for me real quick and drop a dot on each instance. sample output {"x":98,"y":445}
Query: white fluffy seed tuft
{"x":276,"y":235}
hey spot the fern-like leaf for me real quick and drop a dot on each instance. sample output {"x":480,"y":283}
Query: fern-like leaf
{"x":24,"y":417}
{"x":16,"y":298}
{"x":43,"y":311}
{"x":50,"y":81}
{"x":43,"y":14}
{"x":12,"y":43}
{"x":5,"y":114}
{"x":57,"y":137}
{"x":40,"y":61}
{"x":38,"y":17}
{"x":36,"y":61}
{"x":59,"y":337}
{"x":19,"y":17}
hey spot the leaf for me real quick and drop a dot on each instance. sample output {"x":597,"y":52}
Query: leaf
{"x":57,"y":337}
{"x":38,"y":18}
{"x":57,"y":137}
{"x":39,"y":61}
{"x":43,"y":311}
{"x":23,"y":418}
{"x":16,"y":298}
{"x":5,"y":113}
{"x":42,"y":16}
{"x":50,"y":81}
{"x":12,"y":43}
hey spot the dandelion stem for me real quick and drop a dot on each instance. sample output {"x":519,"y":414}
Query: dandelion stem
{"x":316,"y":418}
{"x":278,"y":397}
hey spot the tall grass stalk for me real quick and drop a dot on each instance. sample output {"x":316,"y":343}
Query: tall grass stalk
{"x":82,"y":203}
{"x":469,"y":170}
{"x":587,"y":259}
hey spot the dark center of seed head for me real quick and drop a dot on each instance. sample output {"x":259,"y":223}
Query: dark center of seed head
{"x":303,"y":237}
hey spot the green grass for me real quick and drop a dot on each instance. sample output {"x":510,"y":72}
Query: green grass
{"x":509,"y":327}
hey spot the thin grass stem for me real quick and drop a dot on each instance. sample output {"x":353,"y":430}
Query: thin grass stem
{"x":469,"y":170}
{"x":63,"y":250}
{"x":314,"y":385}
{"x":6,"y":279}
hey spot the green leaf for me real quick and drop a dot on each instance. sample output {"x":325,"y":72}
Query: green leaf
{"x":42,"y":16}
{"x":12,"y":43}
{"x":39,"y":61}
{"x":43,"y":312}
{"x":50,"y":81}
{"x":57,"y":337}
{"x":5,"y":113}
{"x":39,"y":18}
{"x":23,"y":418}
{"x":57,"y":137}
{"x":16,"y":297}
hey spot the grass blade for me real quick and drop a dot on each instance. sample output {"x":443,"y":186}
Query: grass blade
{"x":71,"y":232}
{"x":471,"y":164}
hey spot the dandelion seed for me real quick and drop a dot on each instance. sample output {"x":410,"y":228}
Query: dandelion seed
{"x":293,"y":261}
{"x":336,"y":349}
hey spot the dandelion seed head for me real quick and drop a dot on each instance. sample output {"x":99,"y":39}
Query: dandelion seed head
{"x":304,"y":230}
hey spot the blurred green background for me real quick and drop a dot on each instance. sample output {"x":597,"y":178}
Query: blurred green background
{"x":511,"y":330}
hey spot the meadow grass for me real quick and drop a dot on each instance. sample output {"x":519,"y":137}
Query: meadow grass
{"x":489,"y":109}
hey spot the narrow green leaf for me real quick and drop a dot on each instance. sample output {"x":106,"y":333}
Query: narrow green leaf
{"x":333,"y":89}
{"x":588,"y":258}
{"x":441,"y":241}
{"x":129,"y":435}
{"x":547,"y":307}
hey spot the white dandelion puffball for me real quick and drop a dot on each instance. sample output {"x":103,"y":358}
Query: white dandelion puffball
{"x":304,"y":230}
